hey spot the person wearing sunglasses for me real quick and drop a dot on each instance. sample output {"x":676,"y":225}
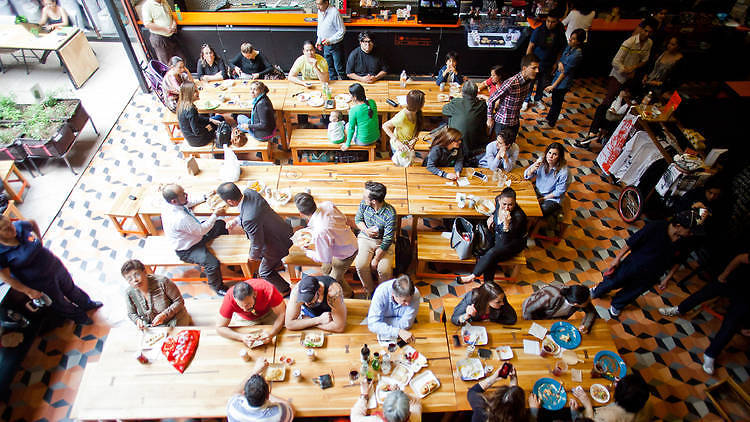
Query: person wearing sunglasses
{"x":363,"y":64}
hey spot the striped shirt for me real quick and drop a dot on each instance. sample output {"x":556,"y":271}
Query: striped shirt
{"x":510,"y":96}
{"x":631,"y":53}
{"x":239,"y":410}
{"x":384,"y":219}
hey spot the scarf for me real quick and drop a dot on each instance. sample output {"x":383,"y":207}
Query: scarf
{"x":252,"y":109}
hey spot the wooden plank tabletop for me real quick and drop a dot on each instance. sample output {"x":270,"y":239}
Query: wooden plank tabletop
{"x":377,"y":91}
{"x":529,"y":367}
{"x":123,"y":205}
{"x":16,"y":36}
{"x":118,"y":387}
{"x":344,"y":185}
{"x":431,"y":195}
{"x":340,"y":355}
{"x":432,"y":105}
{"x":238,"y":92}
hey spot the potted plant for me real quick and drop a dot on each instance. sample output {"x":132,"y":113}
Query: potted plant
{"x":45,"y":133}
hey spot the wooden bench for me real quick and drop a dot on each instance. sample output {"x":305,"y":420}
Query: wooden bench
{"x":251,"y":147}
{"x":433,"y":247}
{"x":172,"y":126}
{"x":124,"y":208}
{"x":228,"y":249}
{"x":317,"y":140}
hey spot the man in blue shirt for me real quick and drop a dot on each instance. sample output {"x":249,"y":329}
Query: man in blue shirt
{"x":394,"y":308}
{"x":566,"y":69}
{"x":546,"y":43}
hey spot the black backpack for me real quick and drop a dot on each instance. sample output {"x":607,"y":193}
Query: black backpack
{"x":223,"y":135}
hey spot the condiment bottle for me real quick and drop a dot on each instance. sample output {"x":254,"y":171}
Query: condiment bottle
{"x":376,"y":361}
{"x":365,"y":353}
{"x":403,"y":78}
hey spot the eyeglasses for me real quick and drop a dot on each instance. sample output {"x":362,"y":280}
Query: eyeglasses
{"x":365,"y":41}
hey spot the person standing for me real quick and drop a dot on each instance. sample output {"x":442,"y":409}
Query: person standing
{"x":632,"y":55}
{"x":333,"y":239}
{"x":376,"y":220}
{"x":157,"y":18}
{"x":466,"y":114}
{"x":546,"y":43}
{"x":330,"y":36}
{"x":566,"y":69}
{"x":30,"y":268}
{"x":269,"y":233}
{"x":504,"y":106}
{"x":189,"y":236}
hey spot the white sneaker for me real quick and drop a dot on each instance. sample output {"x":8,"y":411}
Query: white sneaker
{"x":669,"y":311}
{"x":540,"y":106}
{"x":524,"y":106}
{"x":614,"y":311}
{"x":708,"y":364}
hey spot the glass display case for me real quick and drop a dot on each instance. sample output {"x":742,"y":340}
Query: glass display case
{"x":502,"y":32}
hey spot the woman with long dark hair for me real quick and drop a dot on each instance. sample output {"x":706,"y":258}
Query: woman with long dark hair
{"x":552,"y":302}
{"x":506,"y":403}
{"x":551,"y":175}
{"x":210,"y":66}
{"x":403,"y":128}
{"x":486,"y":302}
{"x":446,"y":152}
{"x":363,"y":119}
{"x":509,"y":222}
{"x":198,"y":129}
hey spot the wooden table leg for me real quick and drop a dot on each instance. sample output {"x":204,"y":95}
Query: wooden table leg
{"x":150,"y":228}
{"x":295,"y":156}
{"x":16,"y":196}
{"x":371,"y":153}
{"x":281,"y":124}
{"x":117,"y":224}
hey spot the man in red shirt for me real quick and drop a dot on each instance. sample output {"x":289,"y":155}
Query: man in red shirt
{"x":258,"y":303}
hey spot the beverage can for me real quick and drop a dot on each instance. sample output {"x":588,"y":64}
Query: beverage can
{"x":141,"y":357}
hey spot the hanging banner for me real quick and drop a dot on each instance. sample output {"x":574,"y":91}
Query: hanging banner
{"x":619,"y":137}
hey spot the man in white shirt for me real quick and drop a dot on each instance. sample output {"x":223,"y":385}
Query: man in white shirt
{"x":335,"y":245}
{"x":157,"y":17}
{"x":189,"y":236}
{"x":330,"y":36}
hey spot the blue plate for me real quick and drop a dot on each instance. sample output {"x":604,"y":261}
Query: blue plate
{"x":561,"y":328}
{"x":550,"y":393}
{"x":613,"y":364}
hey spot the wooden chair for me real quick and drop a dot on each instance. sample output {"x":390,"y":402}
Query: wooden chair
{"x":433,"y":247}
{"x":172,"y":127}
{"x":252,"y":146}
{"x":317,"y":140}
{"x":124,"y":208}
{"x":12,"y":212}
{"x":228,"y":249}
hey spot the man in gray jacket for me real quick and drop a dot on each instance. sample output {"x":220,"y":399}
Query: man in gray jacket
{"x":467,"y":114}
{"x":269,"y":233}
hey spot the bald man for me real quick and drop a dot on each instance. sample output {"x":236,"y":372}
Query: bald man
{"x":189,"y":236}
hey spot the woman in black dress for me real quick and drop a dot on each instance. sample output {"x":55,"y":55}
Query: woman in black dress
{"x":198,"y":129}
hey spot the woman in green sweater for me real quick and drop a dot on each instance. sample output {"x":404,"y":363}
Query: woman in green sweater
{"x":363,"y":128}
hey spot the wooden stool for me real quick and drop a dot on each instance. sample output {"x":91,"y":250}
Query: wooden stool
{"x":124,"y":208}
{"x":317,"y":140}
{"x":12,"y":212}
{"x":172,"y":126}
{"x":7,"y":170}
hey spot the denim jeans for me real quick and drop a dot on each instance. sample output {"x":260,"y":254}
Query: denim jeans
{"x":334,"y":55}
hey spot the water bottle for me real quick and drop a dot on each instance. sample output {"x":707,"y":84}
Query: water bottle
{"x":177,"y":12}
{"x":647,"y":98}
{"x":403,"y":78}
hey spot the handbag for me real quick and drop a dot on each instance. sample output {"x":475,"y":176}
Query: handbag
{"x":238,"y":138}
{"x":462,"y":238}
{"x":483,"y":239}
{"x":223,"y":135}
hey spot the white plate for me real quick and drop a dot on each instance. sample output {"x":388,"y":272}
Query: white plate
{"x":418,"y":363}
{"x":341,"y":106}
{"x":421,"y":380}
{"x":601,"y":388}
{"x":402,"y":374}
{"x":380,"y":393}
{"x":303,"y":97}
{"x":316,"y":101}
{"x":475,"y":331}
{"x":344,"y":98}
{"x":505,"y":352}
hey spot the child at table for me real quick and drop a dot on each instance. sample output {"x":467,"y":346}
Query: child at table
{"x":336,"y":128}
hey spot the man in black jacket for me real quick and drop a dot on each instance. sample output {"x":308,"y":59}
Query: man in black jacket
{"x":269,"y":233}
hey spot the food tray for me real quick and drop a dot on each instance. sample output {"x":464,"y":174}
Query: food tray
{"x":485,"y":207}
{"x":599,"y":393}
{"x":256,"y":343}
{"x":424,"y":384}
{"x":312,"y":339}
{"x":469,"y":332}
{"x":275,"y":372}
{"x":385,"y":383}
{"x":415,"y":359}
{"x":215,"y":202}
{"x":470,"y":369}
{"x":402,"y":374}
{"x":505,"y":352}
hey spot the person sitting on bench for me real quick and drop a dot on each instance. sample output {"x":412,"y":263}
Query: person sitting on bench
{"x":393,"y":309}
{"x":316,"y":301}
{"x":486,"y":302}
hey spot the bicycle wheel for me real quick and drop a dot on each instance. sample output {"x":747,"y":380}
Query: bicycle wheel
{"x":629,"y":204}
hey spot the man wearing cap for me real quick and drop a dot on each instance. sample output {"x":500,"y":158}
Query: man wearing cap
{"x":393,"y":309}
{"x":316,"y":301}
{"x":256,"y":302}
{"x":333,"y":242}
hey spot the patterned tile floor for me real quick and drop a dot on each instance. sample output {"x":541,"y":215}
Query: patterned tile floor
{"x":667,"y":352}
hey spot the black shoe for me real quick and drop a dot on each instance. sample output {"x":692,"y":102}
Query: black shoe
{"x":94,"y":304}
{"x":221,"y":292}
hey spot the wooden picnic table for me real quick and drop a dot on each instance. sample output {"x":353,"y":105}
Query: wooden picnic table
{"x":432,"y":105}
{"x":435,"y":196}
{"x":529,"y":367}
{"x":118,"y":387}
{"x":343,"y":184}
{"x":237,"y":98}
